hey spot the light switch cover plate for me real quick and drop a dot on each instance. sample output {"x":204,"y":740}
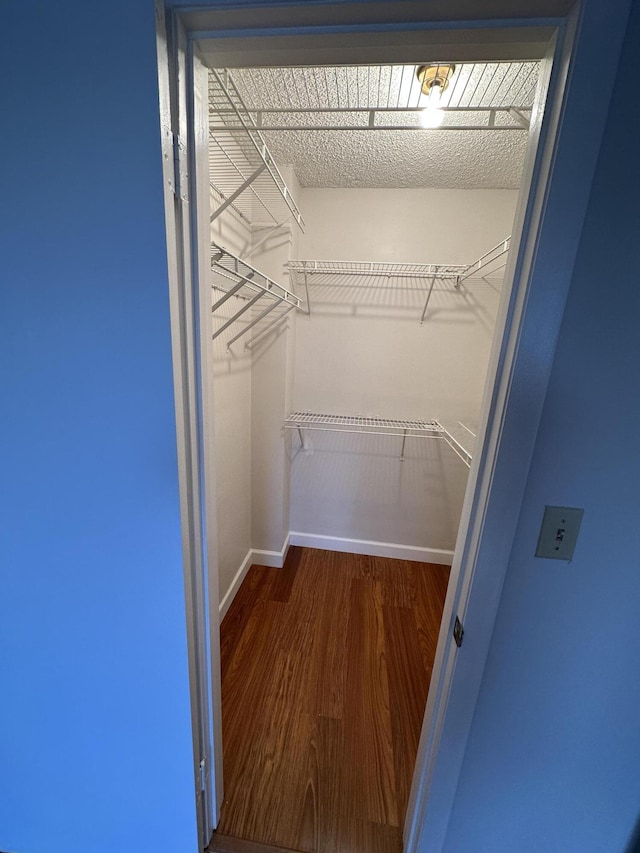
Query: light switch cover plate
{"x":559,"y":532}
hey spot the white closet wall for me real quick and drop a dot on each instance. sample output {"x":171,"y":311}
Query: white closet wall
{"x":231,"y":425}
{"x":252,"y":394}
{"x":375,"y":357}
{"x":363,"y":352}
{"x":271,"y":396}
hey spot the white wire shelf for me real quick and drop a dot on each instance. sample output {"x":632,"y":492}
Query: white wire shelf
{"x":494,"y":96}
{"x":376,"y":270}
{"x":357,"y":423}
{"x":242,"y":172}
{"x":395,"y":276}
{"x":235,"y":278}
{"x":363,"y":425}
{"x":460,"y":439}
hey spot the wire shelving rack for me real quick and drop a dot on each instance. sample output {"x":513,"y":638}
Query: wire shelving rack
{"x":460,"y":439}
{"x":235,"y":278}
{"x":493,"y":96}
{"x":397,"y":276}
{"x":364,"y":425}
{"x":488,"y":263}
{"x":242,"y":172}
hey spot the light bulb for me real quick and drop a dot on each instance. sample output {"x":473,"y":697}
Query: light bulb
{"x":432,"y":115}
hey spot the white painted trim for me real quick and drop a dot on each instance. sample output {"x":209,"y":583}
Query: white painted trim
{"x":176,"y":90}
{"x":274,"y":559}
{"x":373,"y":549}
{"x":239,"y":576}
{"x":196,"y":134}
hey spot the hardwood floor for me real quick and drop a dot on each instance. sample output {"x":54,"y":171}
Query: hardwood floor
{"x":325,"y":671}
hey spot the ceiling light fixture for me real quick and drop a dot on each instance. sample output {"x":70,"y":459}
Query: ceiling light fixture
{"x":434,"y":79}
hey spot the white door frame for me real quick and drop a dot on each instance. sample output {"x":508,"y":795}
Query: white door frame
{"x":183,"y":108}
{"x":547,"y":233}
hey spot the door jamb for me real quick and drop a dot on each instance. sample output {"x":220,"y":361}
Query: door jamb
{"x":197,"y":503}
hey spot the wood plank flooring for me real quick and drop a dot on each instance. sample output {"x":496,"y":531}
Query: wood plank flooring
{"x":325,"y":671}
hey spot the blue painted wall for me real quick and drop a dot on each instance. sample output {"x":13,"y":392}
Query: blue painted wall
{"x":95,"y":743}
{"x":95,"y":748}
{"x":553,"y":760}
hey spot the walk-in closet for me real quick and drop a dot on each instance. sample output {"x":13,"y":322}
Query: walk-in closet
{"x":361,"y":220}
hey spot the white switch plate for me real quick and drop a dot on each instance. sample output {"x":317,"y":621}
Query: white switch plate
{"x":559,"y":532}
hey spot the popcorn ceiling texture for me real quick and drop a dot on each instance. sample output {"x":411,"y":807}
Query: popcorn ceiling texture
{"x":469,"y":159}
{"x":404,"y":158}
{"x":488,"y":84}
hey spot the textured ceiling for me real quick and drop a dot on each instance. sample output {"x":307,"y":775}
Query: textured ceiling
{"x":422,"y":158}
{"x":392,"y":158}
{"x":494,"y":84}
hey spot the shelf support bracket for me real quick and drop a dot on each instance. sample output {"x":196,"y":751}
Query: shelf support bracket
{"x":264,"y":331}
{"x":244,"y":308}
{"x":271,"y":231}
{"x":519,"y":117}
{"x":306,"y":290}
{"x":261,"y":316}
{"x":227,"y":295}
{"x":404,"y":440}
{"x":489,"y":257}
{"x":426,"y":304}
{"x":225,"y":204}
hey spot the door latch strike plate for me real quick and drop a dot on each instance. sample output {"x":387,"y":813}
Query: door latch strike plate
{"x":458,"y":632}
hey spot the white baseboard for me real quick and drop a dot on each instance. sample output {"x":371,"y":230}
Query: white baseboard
{"x":230,"y":594}
{"x":373,"y":549}
{"x":274,"y":559}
